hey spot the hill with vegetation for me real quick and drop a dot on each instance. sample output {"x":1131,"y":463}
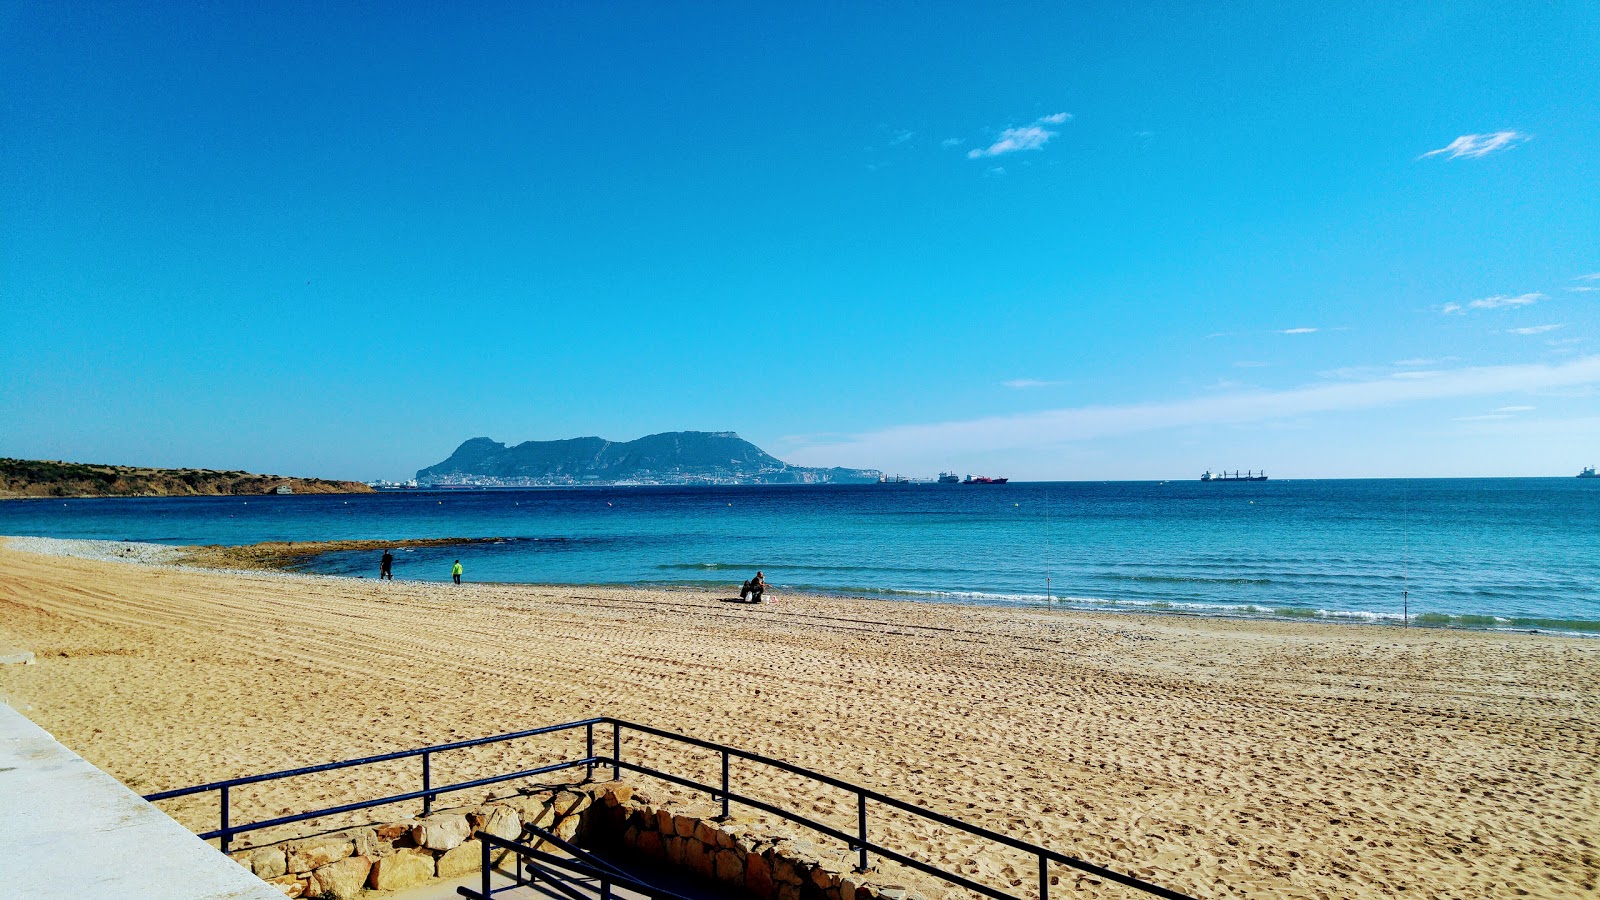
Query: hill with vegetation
{"x":49,"y":478}
{"x":673,"y":457}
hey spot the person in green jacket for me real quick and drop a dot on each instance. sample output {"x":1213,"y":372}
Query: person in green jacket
{"x":455,"y":572}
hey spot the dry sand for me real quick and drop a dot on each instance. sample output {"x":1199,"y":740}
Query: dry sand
{"x":1217,"y":757}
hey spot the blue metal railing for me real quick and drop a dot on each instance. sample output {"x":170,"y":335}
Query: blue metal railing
{"x":859,"y":842}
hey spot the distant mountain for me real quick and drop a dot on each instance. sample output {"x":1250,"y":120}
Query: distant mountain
{"x":674,"y":457}
{"x":51,"y":478}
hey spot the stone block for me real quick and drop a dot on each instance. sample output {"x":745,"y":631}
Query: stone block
{"x":697,"y":857}
{"x":788,"y":892}
{"x":758,"y":877}
{"x":341,"y":880}
{"x":728,"y":868}
{"x":824,"y":879}
{"x":567,"y":828}
{"x":268,"y":862}
{"x":675,"y":847}
{"x":892,"y":892}
{"x":242,"y":857}
{"x":705,"y":833}
{"x":393,"y":831}
{"x":569,"y":802}
{"x":406,"y":868}
{"x":291,"y":885}
{"x":303,"y":856}
{"x":441,"y":831}
{"x":684,"y":825}
{"x":464,"y":858}
{"x":650,"y":844}
{"x":664,"y":820}
{"x":615,"y":793}
{"x":501,"y":821}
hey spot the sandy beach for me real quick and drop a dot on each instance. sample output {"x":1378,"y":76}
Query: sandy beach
{"x":1214,"y":756}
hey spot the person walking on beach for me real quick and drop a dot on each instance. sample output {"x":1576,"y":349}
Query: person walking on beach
{"x":455,"y":572}
{"x":386,"y":566}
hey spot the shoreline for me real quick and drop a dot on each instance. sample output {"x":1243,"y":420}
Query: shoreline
{"x":289,"y":557}
{"x":1218,"y":757}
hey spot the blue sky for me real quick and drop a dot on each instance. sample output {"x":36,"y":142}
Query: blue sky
{"x":1031,"y":240}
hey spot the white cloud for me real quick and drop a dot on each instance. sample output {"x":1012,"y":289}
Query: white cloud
{"x":1056,"y":426}
{"x":1583,"y":288}
{"x":947,"y":143}
{"x":1413,"y":363}
{"x":901,"y":137}
{"x":1473,"y":146}
{"x":1515,"y":409}
{"x":1025,"y":137}
{"x":1025,"y":383}
{"x":1535,"y":329}
{"x":1298,"y":331}
{"x":1592,"y":276}
{"x":997,"y":170}
{"x":1498,"y":301}
{"x":1028,"y":137}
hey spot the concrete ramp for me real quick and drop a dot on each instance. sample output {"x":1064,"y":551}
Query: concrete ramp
{"x":70,"y":831}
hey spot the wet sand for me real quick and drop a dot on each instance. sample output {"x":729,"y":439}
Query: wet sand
{"x":1217,"y":757}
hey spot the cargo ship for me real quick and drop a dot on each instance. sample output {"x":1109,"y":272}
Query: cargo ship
{"x":949,"y":478}
{"x":984,"y":479}
{"x":1588,"y":472}
{"x":1234,"y":476}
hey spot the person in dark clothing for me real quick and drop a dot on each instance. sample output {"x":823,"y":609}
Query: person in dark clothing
{"x":754,"y":588}
{"x":386,"y":566}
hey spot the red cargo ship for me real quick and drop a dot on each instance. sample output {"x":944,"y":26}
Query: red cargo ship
{"x":983,"y":479}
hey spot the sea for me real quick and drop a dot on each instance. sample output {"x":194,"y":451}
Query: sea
{"x":1491,"y":553}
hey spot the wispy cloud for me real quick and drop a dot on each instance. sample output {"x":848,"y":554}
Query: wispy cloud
{"x":1421,"y":361}
{"x":1515,"y":409}
{"x":1473,"y":146}
{"x":1250,"y":364}
{"x":947,"y":143}
{"x":1025,"y":383}
{"x":1058,"y":426}
{"x":1535,"y":329}
{"x":1585,"y":288}
{"x":1023,"y":137}
{"x":1498,"y":301}
{"x":1489,"y":417}
{"x":1299,"y":331}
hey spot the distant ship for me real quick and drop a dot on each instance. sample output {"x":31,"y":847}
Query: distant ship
{"x":1588,"y":472}
{"x":984,"y":479}
{"x":1235,"y":476}
{"x":953,"y":478}
{"x":893,"y":479}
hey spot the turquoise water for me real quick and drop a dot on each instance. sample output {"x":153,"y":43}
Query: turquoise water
{"x":1512,"y":553}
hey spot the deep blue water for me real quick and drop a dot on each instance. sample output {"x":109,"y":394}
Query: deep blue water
{"x":1477,"y":552}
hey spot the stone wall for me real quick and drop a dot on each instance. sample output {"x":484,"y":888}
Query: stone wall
{"x":761,"y":863}
{"x":401,"y":854}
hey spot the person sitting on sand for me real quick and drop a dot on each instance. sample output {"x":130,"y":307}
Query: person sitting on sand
{"x":455,"y":572}
{"x":753,"y":588}
{"x":386,"y":566}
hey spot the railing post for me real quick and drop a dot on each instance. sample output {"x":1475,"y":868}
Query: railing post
{"x":486,"y":869}
{"x":590,"y":754}
{"x":724,"y":784}
{"x":605,"y":889}
{"x":616,"y":751}
{"x":1044,"y":878}
{"x":427,"y":783}
{"x":227,"y":837}
{"x":861,"y":828}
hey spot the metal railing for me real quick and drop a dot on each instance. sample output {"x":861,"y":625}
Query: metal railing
{"x":860,"y":842}
{"x":562,"y":874}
